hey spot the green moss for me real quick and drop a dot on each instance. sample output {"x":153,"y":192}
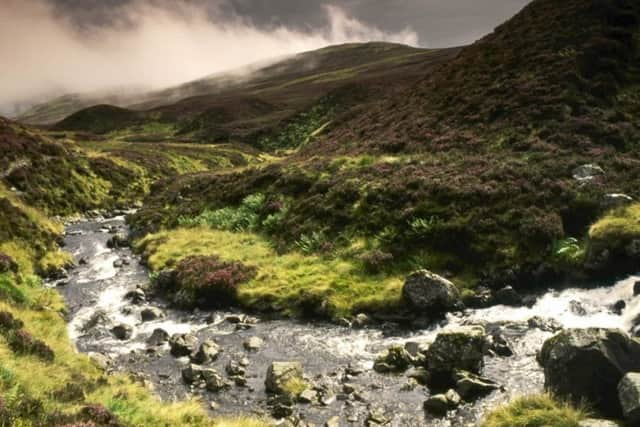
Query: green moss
{"x":535,"y":411}
{"x":618,"y":227}
{"x":291,"y":283}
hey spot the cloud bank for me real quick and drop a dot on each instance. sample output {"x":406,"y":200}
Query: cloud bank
{"x":154,"y":44}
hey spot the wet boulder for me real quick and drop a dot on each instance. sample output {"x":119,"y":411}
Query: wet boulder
{"x":461,"y":349}
{"x":136,"y":296}
{"x":158,"y":337}
{"x":544,"y":324}
{"x":587,"y":365}
{"x":280,"y":374}
{"x":618,"y":307}
{"x":394,"y":359}
{"x":191,"y":373}
{"x":253,"y":344}
{"x":122,"y":332}
{"x":430,"y":294}
{"x":150,"y":314}
{"x":183,"y":344}
{"x":207,"y":352}
{"x":214,"y":381}
{"x":481,"y":297}
{"x":508,"y":296}
{"x":471,"y":386}
{"x":118,"y":240}
{"x":629,"y":396}
{"x":439,"y":404}
{"x":577,"y":308}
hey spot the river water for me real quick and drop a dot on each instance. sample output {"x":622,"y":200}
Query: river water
{"x":325,"y":350}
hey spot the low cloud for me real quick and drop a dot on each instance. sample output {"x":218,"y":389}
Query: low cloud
{"x":152,"y":45}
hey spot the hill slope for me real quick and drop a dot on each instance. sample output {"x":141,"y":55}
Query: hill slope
{"x":291,"y":83}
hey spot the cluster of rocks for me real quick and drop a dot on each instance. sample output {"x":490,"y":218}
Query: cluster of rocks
{"x":600,"y":367}
{"x":430,"y":295}
{"x":450,"y":367}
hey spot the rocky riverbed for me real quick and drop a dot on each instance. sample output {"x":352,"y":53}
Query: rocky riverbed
{"x":112,"y":315}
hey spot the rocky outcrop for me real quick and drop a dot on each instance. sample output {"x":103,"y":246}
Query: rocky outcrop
{"x":588,"y":364}
{"x":429,"y":294}
{"x":629,"y":396}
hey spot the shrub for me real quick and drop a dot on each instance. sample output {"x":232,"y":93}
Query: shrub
{"x":22,"y":342}
{"x":208,"y":281}
{"x":242,"y":218}
{"x":8,"y":322}
{"x":7,"y":264}
{"x":535,"y":411}
{"x":99,"y":414}
{"x":568,"y":252}
{"x":313,"y":243}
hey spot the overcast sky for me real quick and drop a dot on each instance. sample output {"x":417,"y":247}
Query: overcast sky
{"x":51,"y":47}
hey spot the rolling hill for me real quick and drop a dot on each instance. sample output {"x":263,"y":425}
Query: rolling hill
{"x":240,"y":105}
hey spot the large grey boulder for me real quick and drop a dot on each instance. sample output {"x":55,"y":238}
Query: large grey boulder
{"x":280,"y":373}
{"x":588,"y":364}
{"x":629,"y":396}
{"x":427,"y":293}
{"x":458,"y":350}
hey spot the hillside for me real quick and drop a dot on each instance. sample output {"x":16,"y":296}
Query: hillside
{"x":470,"y":170}
{"x":237,"y":105}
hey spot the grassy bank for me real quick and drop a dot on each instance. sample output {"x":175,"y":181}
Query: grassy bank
{"x":292,"y":283}
{"x":37,"y":391}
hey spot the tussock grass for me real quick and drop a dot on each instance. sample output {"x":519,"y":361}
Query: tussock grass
{"x":535,"y":411}
{"x":289,"y":283}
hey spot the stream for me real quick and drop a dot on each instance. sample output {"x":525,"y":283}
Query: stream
{"x":330,"y":354}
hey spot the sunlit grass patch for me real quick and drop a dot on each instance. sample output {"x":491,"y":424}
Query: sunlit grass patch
{"x":620,"y":225}
{"x":291,"y":283}
{"x":535,"y":411}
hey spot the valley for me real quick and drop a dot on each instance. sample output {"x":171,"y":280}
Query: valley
{"x":366,"y":234}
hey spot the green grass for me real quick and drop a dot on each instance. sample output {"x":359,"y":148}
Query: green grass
{"x":535,"y":411}
{"x":288,"y":283}
{"x":620,"y":225}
